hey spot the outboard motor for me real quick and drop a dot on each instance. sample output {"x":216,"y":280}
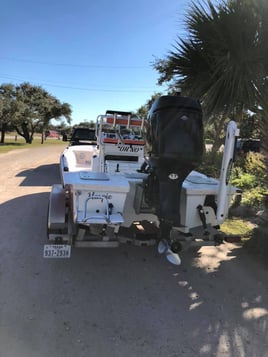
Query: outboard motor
{"x":174,"y":140}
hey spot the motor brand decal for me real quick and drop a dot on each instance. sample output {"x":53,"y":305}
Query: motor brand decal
{"x":173,"y":176}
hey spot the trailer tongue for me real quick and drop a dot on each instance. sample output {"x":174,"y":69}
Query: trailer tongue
{"x":135,"y":183}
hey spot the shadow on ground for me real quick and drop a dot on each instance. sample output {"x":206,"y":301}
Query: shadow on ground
{"x":124,"y":301}
{"x":45,"y":175}
{"x":127,"y":301}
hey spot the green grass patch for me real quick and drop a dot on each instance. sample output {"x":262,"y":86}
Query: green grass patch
{"x":237,"y":226}
{"x":12,"y":144}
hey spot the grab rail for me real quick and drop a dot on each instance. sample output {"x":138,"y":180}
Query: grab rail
{"x":105,"y":216}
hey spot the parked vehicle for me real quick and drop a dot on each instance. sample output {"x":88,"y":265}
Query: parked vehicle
{"x":243,"y":146}
{"x":52,"y":134}
{"x":137,"y":183}
{"x":83,"y":136}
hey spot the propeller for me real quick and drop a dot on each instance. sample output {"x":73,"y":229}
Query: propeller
{"x":170,"y":251}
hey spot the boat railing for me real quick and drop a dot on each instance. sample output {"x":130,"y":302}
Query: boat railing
{"x":100,"y":216}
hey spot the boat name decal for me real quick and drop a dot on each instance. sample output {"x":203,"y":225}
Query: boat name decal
{"x":128,"y":148}
{"x":99,"y":195}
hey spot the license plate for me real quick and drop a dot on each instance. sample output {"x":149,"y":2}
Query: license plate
{"x":57,"y":251}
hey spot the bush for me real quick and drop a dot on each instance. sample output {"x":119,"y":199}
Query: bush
{"x":244,"y":181}
{"x":253,"y":198}
{"x":249,"y":175}
{"x":254,"y":163}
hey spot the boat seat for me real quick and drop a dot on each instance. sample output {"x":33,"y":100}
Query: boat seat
{"x":79,"y":160}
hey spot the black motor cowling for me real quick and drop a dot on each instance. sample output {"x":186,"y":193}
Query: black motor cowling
{"x":174,"y":140}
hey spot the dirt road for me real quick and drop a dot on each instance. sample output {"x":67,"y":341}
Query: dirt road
{"x":116,"y":302}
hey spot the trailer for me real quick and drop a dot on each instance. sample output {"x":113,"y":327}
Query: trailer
{"x":137,"y":183}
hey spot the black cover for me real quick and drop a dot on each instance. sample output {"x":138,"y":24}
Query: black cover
{"x":174,"y":140}
{"x":175,"y":132}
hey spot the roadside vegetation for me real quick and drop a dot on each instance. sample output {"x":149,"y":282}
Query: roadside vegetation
{"x":28,"y":109}
{"x":249,"y":174}
{"x":19,"y":143}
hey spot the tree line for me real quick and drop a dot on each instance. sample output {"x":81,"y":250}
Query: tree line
{"x":27,"y":109}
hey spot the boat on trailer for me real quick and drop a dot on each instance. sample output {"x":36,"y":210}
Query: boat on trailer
{"x":133,"y":180}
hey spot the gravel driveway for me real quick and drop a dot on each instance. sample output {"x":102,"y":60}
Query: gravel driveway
{"x":126,"y":301}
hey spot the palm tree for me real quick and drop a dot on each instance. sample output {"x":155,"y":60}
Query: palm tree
{"x":223,"y":60}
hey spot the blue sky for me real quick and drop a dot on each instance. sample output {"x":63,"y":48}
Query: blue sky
{"x":95,"y":55}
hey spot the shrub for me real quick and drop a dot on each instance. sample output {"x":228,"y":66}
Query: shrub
{"x":245,"y":181}
{"x":249,"y":175}
{"x":253,"y":197}
{"x":254,"y":164}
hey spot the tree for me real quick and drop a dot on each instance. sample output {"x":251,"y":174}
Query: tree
{"x":223,"y":60}
{"x":50,"y":109}
{"x":214,"y":130}
{"x":86,"y":124}
{"x":8,"y":108}
{"x":36,"y":108}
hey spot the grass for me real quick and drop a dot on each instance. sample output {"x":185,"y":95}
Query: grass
{"x":237,"y":226}
{"x":12,"y":144}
